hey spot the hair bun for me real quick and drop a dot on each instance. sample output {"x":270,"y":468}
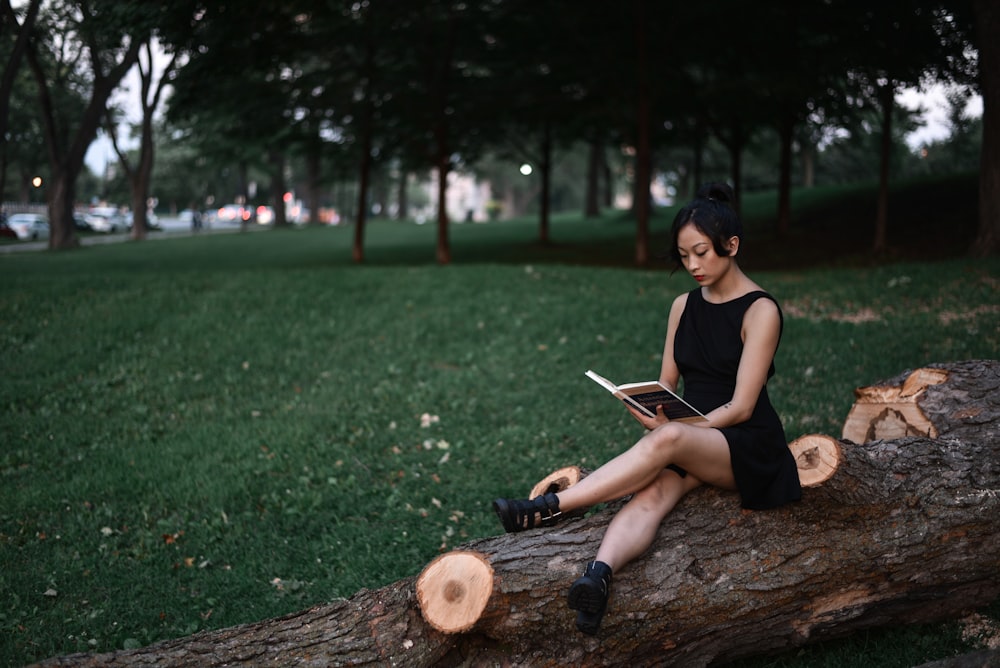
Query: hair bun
{"x":720,"y":192}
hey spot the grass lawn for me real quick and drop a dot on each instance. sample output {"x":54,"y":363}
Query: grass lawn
{"x":206,"y":431}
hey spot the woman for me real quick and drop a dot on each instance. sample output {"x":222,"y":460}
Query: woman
{"x":721,"y":339}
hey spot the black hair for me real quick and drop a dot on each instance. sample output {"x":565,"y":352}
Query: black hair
{"x":712,"y":212}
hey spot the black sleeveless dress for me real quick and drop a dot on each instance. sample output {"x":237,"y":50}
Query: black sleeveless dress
{"x":707,"y":349}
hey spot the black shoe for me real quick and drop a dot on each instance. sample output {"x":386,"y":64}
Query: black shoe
{"x":589,"y":596}
{"x":521,"y":514}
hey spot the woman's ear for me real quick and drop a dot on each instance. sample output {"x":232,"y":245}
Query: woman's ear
{"x":733,"y":246}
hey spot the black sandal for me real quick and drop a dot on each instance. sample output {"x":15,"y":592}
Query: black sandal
{"x":589,"y":596}
{"x":520,"y":514}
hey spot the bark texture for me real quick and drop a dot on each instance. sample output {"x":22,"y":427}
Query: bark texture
{"x":906,"y":530}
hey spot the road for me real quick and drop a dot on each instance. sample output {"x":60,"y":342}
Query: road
{"x":172,"y":229}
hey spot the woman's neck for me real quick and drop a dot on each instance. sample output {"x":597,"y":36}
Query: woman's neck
{"x":734,"y":283}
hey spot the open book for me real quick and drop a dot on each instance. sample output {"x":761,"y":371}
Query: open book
{"x":646,"y":396}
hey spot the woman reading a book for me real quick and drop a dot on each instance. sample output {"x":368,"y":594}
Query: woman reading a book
{"x":721,"y":339}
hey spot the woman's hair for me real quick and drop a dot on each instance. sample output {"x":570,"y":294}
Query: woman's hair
{"x":711,"y":211}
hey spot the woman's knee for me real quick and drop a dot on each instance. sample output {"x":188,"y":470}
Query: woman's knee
{"x":663,"y":492}
{"x":662,"y":441}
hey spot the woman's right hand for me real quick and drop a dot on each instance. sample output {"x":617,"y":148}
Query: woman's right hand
{"x":649,"y":423}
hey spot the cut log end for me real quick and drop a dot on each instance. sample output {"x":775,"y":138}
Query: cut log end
{"x":816,"y":456}
{"x":453,"y":590}
{"x":886,"y":412}
{"x":557,"y":481}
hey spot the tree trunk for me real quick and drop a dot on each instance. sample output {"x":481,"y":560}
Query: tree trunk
{"x":313,"y":177}
{"x":987,"y":27}
{"x":643,"y":153}
{"x":402,"y":201}
{"x":905,"y":531}
{"x":786,"y":132}
{"x":544,"y":237}
{"x":592,"y":202}
{"x":365,"y":166}
{"x":698,"y":157}
{"x":443,"y":252}
{"x":808,"y":154}
{"x":735,"y":146}
{"x":881,"y":242}
{"x":276,"y":160}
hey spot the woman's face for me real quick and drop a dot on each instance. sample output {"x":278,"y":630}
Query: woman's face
{"x":699,"y":257}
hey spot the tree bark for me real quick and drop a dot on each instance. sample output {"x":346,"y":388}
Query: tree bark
{"x":906,"y":531}
{"x":987,"y":24}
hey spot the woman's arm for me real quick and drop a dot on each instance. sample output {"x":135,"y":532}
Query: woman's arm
{"x":669,"y":374}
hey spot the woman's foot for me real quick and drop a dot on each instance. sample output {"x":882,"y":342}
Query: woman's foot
{"x":521,"y":514}
{"x":589,"y":596}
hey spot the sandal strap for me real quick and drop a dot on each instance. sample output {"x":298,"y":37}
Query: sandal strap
{"x":523,"y":514}
{"x":548,"y":509}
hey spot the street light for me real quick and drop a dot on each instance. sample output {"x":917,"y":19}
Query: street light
{"x":526,"y":169}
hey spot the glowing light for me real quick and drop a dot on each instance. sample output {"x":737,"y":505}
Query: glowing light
{"x":525,"y":169}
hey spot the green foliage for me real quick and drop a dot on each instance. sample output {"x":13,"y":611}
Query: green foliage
{"x":207,"y":431}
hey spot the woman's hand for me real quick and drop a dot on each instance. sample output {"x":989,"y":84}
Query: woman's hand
{"x":649,"y":423}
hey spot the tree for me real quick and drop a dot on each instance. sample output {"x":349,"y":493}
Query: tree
{"x":139,"y":175}
{"x":899,"y":49}
{"x":95,"y":43}
{"x":12,"y":64}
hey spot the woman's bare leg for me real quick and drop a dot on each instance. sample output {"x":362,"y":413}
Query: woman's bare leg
{"x":702,"y":452}
{"x":634,"y":527}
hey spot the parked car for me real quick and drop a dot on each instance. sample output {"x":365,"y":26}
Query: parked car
{"x":5,"y":231}
{"x":29,"y":225}
{"x":80,"y":222}
{"x":234,"y":213}
{"x":265,"y":215}
{"x":106,"y":219}
{"x":152,"y":221}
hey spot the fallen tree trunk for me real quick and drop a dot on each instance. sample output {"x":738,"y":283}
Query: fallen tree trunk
{"x":907,"y":530}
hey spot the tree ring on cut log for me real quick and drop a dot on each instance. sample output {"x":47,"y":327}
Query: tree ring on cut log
{"x":557,"y":481}
{"x":453,"y":590}
{"x":816,"y":457}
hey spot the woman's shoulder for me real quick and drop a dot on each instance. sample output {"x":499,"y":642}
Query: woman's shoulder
{"x":763,"y":311}
{"x":680,"y":301}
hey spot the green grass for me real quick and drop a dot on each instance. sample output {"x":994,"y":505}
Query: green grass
{"x":207,"y":431}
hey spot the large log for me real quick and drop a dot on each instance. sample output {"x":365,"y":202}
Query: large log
{"x":907,"y":530}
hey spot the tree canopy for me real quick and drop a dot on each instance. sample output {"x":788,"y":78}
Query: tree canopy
{"x":361,"y":89}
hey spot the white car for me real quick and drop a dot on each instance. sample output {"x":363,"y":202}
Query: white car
{"x":29,"y":225}
{"x":106,"y":219}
